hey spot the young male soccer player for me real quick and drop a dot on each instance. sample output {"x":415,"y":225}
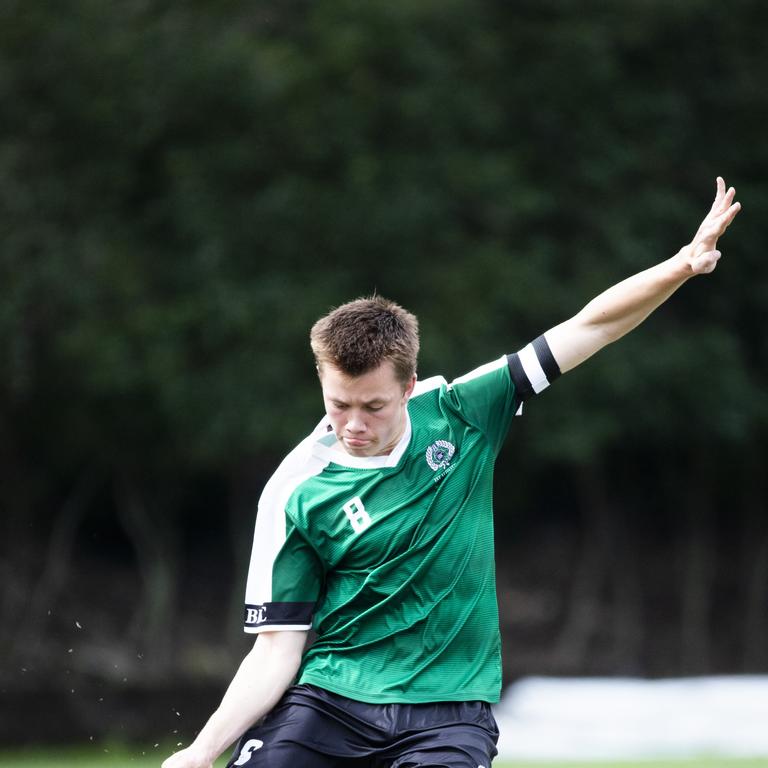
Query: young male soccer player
{"x":377,"y":531}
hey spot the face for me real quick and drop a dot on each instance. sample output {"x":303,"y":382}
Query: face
{"x":367,"y":412}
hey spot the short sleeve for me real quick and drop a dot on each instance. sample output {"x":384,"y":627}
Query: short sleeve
{"x":285,"y":575}
{"x":485,"y":398}
{"x":489,"y":396}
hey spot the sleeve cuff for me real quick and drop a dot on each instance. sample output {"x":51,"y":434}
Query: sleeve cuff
{"x":273,"y":616}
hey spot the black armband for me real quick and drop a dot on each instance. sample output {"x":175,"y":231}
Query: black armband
{"x":533,"y":368}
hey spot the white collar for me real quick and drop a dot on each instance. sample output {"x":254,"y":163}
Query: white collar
{"x":325,"y":448}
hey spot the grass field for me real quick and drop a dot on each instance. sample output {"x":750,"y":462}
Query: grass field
{"x":104,"y":757}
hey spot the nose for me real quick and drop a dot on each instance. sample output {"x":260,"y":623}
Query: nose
{"x":355,"y":424}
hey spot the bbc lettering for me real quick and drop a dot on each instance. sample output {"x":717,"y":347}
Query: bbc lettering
{"x":256,"y":615}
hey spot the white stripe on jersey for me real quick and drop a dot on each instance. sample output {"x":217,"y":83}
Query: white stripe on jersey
{"x":427,"y":385}
{"x":482,"y":370}
{"x":269,"y":533}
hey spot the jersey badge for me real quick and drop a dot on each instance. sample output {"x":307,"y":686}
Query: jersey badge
{"x":439,"y":454}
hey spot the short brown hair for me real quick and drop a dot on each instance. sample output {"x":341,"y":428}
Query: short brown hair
{"x":361,"y":334}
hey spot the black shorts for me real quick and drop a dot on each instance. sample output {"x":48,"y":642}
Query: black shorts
{"x":314,"y":728}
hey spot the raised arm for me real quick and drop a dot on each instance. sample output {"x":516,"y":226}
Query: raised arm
{"x":625,"y":305}
{"x":263,"y":677}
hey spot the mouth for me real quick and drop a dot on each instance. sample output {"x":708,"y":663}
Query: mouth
{"x":356,"y":442}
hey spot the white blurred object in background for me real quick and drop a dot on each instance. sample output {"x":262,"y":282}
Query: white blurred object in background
{"x":556,"y":718}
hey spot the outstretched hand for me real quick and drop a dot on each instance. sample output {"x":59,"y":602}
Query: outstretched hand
{"x":701,"y":254}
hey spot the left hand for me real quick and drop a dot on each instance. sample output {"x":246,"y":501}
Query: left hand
{"x":701,"y":255}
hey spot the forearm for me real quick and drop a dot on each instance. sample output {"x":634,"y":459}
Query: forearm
{"x":624,"y":306}
{"x":264,"y":675}
{"x":616,"y":311}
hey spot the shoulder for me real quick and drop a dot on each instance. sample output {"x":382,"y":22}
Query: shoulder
{"x":488,"y":371}
{"x":432,"y":384}
{"x":491,"y":371}
{"x":298,"y":465}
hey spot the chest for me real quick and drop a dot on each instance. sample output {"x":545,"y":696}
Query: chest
{"x":357,"y":519}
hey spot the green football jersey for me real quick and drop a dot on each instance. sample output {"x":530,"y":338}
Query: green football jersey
{"x":390,"y":559}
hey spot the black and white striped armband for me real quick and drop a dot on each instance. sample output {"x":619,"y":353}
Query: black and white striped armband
{"x":533,"y":368}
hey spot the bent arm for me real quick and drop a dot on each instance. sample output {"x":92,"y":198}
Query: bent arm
{"x":264,"y":675}
{"x":625,"y":305}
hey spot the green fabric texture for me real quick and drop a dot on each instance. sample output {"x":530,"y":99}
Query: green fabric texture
{"x":405,"y":597}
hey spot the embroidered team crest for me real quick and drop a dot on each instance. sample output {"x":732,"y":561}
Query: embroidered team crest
{"x":439,"y":454}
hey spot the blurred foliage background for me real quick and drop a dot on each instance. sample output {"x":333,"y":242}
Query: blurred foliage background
{"x":185,"y":187}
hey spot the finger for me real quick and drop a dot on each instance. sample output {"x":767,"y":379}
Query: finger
{"x":724,"y":219}
{"x":718,"y":222}
{"x":727,"y":200}
{"x":719,"y":192}
{"x":714,"y":228}
{"x":724,"y":201}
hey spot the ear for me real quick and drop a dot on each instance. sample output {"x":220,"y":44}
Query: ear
{"x":409,"y":388}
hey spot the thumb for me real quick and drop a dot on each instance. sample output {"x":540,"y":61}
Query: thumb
{"x":704,"y":263}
